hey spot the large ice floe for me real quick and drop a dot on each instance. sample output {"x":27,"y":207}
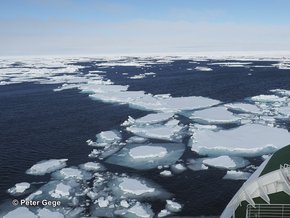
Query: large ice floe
{"x":247,"y":140}
{"x":147,"y":156}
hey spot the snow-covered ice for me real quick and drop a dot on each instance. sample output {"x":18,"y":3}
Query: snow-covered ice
{"x":47,"y":166}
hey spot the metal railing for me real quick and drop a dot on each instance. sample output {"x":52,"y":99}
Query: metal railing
{"x":268,"y":211}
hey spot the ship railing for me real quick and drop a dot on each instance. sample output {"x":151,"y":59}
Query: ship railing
{"x":268,"y":210}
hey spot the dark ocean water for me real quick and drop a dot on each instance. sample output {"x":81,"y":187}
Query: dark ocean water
{"x":37,"y":123}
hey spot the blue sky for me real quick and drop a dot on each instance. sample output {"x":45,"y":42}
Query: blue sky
{"x":32,"y":27}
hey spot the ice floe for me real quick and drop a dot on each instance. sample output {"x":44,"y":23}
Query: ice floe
{"x":171,"y":130}
{"x":147,"y":156}
{"x":226,"y":162}
{"x":72,"y":173}
{"x":173,"y":206}
{"x":203,"y":68}
{"x":244,"y":108}
{"x":214,"y":115}
{"x":19,"y":188}
{"x":20,"y":212}
{"x":136,"y":188}
{"x":47,"y":166}
{"x":237,"y":175}
{"x":140,"y":210}
{"x":247,"y":140}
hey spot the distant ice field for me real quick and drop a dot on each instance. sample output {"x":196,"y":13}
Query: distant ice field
{"x":137,"y":137}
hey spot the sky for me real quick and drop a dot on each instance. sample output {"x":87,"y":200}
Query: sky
{"x":100,"y":27}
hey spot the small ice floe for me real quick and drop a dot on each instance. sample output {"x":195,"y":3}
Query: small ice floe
{"x":163,"y":213}
{"x":196,"y":165}
{"x":140,"y":210}
{"x":232,"y":64}
{"x":20,"y":212}
{"x":226,"y":162}
{"x":203,"y":68}
{"x":92,"y":166}
{"x":173,"y":206}
{"x":282,"y":92}
{"x":244,"y":108}
{"x":107,"y":138}
{"x":103,"y":202}
{"x":61,"y":191}
{"x":72,"y":173}
{"x":147,"y":156}
{"x":47,"y":166}
{"x":19,"y":188}
{"x":124,"y":203}
{"x":136,"y":139}
{"x":237,"y":175}
{"x":178,"y":168}
{"x":136,"y":188}
{"x":249,"y":140}
{"x":139,"y":76}
{"x":166,"y":173}
{"x":282,"y":66}
{"x":214,"y":115}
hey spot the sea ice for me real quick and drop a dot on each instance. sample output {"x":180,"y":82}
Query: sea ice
{"x":92,"y":166}
{"x":72,"y":173}
{"x":166,"y":173}
{"x":108,"y":137}
{"x":244,"y":108}
{"x":214,"y":115}
{"x":226,"y":162}
{"x":203,"y":69}
{"x":147,"y":156}
{"x":164,"y":132}
{"x":248,"y":140}
{"x":268,"y":98}
{"x":140,"y":210}
{"x":45,"y":213}
{"x":173,"y":206}
{"x":152,"y":118}
{"x":136,"y":188}
{"x":47,"y":166}
{"x":19,"y":188}
{"x":20,"y":212}
{"x":237,"y":175}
